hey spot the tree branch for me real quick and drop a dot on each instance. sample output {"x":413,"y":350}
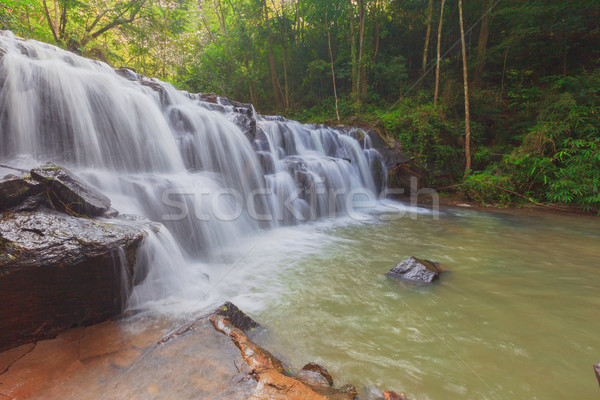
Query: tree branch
{"x":117,"y":21}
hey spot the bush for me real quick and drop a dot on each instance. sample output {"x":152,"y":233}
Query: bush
{"x":487,"y":188}
{"x":431,"y":140}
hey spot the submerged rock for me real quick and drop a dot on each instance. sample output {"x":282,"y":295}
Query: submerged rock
{"x":417,"y":270}
{"x":69,"y":193}
{"x":597,"y":371}
{"x":57,"y":271}
{"x":316,"y":374}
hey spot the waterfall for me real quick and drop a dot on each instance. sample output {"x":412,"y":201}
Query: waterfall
{"x":210,"y":170}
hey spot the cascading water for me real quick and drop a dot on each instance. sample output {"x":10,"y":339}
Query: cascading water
{"x":175,"y":158}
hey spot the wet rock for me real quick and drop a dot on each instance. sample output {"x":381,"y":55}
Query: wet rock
{"x":393,"y":396}
{"x":111,"y":213}
{"x":417,"y":270}
{"x":247,"y":124}
{"x":315,"y":374}
{"x":69,"y":193}
{"x":258,"y":359}
{"x":15,"y":190}
{"x":236,"y":317}
{"x":152,"y":83}
{"x":371,"y":393}
{"x":273,"y":379}
{"x":209,"y":97}
{"x":597,"y":371}
{"x":301,"y":174}
{"x":266,"y":162}
{"x":57,"y":271}
{"x":81,"y":363}
{"x":274,"y":118}
{"x":351,"y":391}
{"x":32,"y":203}
{"x":128,"y":73}
{"x":391,"y":151}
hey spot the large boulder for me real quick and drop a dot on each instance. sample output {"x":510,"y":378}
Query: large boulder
{"x":597,"y":371}
{"x":417,"y":270}
{"x":58,"y":270}
{"x":69,"y":193}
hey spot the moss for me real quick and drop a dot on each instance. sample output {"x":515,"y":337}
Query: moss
{"x":8,"y":251}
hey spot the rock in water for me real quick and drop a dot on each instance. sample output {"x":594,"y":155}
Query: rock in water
{"x":316,"y":375}
{"x":57,"y":271}
{"x":417,"y":270}
{"x":236,"y":316}
{"x":597,"y":371}
{"x":69,"y":193}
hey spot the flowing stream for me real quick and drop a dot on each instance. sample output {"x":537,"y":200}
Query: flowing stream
{"x":282,"y":219}
{"x":517,"y":316}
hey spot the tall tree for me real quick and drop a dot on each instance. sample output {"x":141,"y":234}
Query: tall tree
{"x":427,"y":35}
{"x":354,"y":57}
{"x":437,"y":65}
{"x":284,"y":44}
{"x":466,"y":85}
{"x":274,"y":82}
{"x":337,"y":113}
{"x":484,"y":33}
{"x":362,"y":69}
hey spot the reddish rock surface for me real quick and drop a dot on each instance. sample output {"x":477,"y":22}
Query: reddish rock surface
{"x":151,"y":358}
{"x":273,"y":378}
{"x":127,"y":360}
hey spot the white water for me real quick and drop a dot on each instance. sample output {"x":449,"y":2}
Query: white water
{"x":177,"y":160}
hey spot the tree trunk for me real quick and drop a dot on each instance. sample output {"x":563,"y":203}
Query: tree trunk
{"x":252,"y":99}
{"x":332,"y":69}
{"x":49,"y":19}
{"x":427,"y":35}
{"x":362,"y":72}
{"x":504,"y":69}
{"x":56,"y":23}
{"x":220,"y":16}
{"x":271,"y":58}
{"x":466,"y":83}
{"x":62,"y":29}
{"x":27,"y":15}
{"x":437,"y":65}
{"x":377,"y":30}
{"x":354,"y":59}
{"x":164,"y":44}
{"x":286,"y":96}
{"x":484,"y":34}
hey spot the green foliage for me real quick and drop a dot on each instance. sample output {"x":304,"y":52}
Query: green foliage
{"x":534,"y":114}
{"x":487,"y":188}
{"x":558,"y":159}
{"x":427,"y":136}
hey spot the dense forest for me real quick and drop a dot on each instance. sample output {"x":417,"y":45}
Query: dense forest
{"x":528,"y":131}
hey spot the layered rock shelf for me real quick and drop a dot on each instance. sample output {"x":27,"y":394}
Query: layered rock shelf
{"x":143,"y":357}
{"x":58,"y":268}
